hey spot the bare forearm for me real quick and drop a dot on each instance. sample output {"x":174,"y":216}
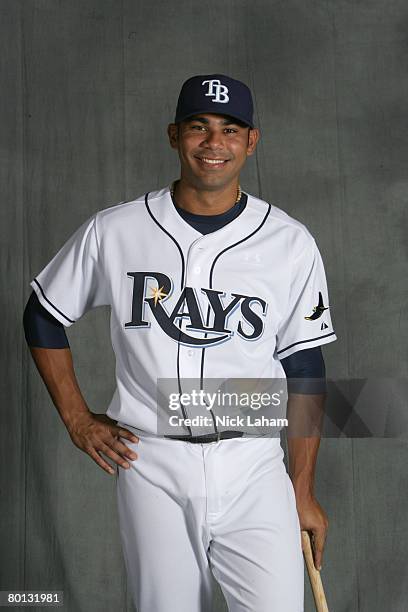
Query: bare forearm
{"x":57,"y":371}
{"x":302,"y":463}
{"x":92,"y":433}
{"x":305,"y":418}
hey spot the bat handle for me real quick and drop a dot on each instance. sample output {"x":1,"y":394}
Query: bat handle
{"x":314,"y":575}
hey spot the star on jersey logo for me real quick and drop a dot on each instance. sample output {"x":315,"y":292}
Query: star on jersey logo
{"x":318,"y":310}
{"x":157,"y":294}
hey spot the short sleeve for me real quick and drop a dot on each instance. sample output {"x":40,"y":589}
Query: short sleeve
{"x":73,"y":282}
{"x":307,"y":320}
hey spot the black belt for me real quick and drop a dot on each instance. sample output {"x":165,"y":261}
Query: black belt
{"x":214,"y":437}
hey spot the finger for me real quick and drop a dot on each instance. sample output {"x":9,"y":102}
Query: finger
{"x":109,"y":452}
{"x":302,"y":541}
{"x":125,"y":433}
{"x":319,"y":537}
{"x":122,"y":449}
{"x":100,"y":461}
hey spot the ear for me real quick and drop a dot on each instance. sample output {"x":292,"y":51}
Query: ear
{"x":172,"y":131}
{"x":253,"y":139}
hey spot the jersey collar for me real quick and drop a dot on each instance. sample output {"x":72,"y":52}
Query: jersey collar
{"x":162,"y":209}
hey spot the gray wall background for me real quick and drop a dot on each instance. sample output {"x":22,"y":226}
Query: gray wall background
{"x":88,"y":88}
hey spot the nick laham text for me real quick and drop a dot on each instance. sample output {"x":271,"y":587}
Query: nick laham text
{"x":227,"y":421}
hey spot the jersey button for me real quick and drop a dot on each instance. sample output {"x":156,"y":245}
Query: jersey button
{"x":197,"y":270}
{"x":190,"y":352}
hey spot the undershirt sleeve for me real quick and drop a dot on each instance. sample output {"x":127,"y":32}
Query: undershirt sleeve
{"x":41,"y":329}
{"x":305,"y":371}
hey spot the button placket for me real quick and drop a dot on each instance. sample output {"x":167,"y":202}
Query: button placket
{"x":190,"y":357}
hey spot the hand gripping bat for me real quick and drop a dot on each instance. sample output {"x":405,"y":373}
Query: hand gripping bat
{"x":314,"y":575}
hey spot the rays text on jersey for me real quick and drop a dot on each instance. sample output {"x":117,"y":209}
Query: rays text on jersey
{"x":188,"y":307}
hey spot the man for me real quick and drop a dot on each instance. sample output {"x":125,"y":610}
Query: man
{"x":204,"y":281}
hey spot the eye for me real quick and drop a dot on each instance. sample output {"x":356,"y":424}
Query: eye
{"x":198,"y":127}
{"x":231,"y":130}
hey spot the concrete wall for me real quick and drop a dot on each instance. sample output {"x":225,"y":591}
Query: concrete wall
{"x":88,"y":88}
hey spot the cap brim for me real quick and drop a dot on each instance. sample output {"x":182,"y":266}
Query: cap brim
{"x":206,"y":110}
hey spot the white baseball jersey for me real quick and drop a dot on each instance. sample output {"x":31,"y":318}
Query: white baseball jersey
{"x":228,"y":304}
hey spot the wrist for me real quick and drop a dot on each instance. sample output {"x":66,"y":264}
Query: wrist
{"x":303,"y":486}
{"x":73,"y":417}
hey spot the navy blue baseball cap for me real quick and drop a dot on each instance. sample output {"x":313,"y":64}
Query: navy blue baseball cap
{"x":215,"y":93}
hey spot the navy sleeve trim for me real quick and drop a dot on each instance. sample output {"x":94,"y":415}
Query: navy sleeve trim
{"x":305,"y":371}
{"x":51,"y":304}
{"x":41,"y":328}
{"x":303,"y":342}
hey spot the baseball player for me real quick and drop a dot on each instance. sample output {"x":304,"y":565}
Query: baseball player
{"x":204,"y":282}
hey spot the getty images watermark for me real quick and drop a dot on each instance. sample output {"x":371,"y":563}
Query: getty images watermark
{"x":251,"y":406}
{"x":204,"y":400}
{"x":352,"y":408}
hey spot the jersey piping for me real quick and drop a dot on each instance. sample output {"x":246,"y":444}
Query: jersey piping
{"x":50,"y":303}
{"x":303,"y":341}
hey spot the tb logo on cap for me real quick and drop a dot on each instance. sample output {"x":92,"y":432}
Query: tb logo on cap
{"x":220,"y":92}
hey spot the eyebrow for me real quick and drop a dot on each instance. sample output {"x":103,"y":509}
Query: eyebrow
{"x":226,"y":121}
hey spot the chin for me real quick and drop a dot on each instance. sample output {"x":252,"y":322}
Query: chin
{"x":215,"y":180}
{"x":208,"y":181}
{"x":214,"y":185}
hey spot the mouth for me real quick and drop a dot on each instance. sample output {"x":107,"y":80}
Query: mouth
{"x":212,"y":162}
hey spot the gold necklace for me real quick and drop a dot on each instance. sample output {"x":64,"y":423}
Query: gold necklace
{"x":239,"y":192}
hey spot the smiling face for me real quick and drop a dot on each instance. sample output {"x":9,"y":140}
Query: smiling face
{"x":212,"y":149}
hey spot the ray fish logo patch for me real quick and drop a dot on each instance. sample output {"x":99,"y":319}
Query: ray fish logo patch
{"x":317,"y":310}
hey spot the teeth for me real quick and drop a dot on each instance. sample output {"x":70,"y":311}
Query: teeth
{"x":212,"y":161}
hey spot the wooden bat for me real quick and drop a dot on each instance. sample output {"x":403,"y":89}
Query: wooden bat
{"x":314,"y":575}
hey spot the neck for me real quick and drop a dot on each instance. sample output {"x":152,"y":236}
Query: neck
{"x":202,"y":202}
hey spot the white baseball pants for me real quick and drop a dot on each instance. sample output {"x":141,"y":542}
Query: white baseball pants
{"x":226,"y":509}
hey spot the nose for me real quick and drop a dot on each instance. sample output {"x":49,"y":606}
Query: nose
{"x":214,"y":139}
